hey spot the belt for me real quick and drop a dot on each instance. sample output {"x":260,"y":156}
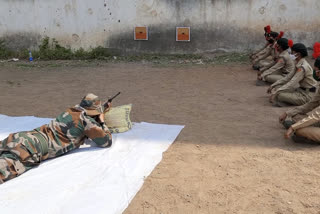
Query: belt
{"x":43,"y":142}
{"x":313,"y":89}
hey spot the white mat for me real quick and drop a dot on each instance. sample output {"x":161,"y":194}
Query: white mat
{"x":90,"y":179}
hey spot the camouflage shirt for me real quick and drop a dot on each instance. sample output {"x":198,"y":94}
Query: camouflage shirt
{"x":69,"y":130}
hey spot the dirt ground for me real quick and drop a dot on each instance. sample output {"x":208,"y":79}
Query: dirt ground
{"x":231,"y":157}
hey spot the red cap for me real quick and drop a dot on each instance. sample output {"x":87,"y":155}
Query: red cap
{"x":268,"y":29}
{"x":280,"y":35}
{"x":290,"y":43}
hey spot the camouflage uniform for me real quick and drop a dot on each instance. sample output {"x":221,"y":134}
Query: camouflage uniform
{"x":295,"y":88}
{"x":284,"y":65}
{"x":21,"y":151}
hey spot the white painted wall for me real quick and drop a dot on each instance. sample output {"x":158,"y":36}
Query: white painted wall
{"x":84,"y":23}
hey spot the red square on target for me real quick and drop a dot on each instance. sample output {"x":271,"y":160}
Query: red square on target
{"x":140,"y":33}
{"x":183,"y":34}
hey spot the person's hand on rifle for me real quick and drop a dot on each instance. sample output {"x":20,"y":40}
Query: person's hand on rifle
{"x":107,"y":106}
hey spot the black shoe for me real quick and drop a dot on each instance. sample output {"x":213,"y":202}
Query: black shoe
{"x":261,"y":83}
{"x":288,"y":123}
{"x":298,"y":139}
{"x":255,"y":67}
{"x":280,"y":104}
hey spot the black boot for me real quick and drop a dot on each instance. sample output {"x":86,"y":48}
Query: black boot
{"x":304,"y":140}
{"x":256,"y":67}
{"x":261,"y":83}
{"x":280,"y":104}
{"x":288,"y":123}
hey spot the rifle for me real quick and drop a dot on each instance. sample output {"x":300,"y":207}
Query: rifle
{"x":110,"y":100}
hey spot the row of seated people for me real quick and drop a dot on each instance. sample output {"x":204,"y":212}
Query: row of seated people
{"x":292,"y":81}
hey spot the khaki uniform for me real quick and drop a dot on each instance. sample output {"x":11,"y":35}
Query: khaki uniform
{"x":260,"y":52}
{"x":267,"y":59}
{"x":283,"y":66}
{"x":304,"y":128}
{"x":21,"y":151}
{"x":300,"y":112}
{"x":266,"y":64}
{"x":264,"y":55}
{"x":295,"y":88}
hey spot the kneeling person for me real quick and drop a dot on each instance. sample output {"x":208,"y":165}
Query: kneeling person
{"x":296,"y":87}
{"x":264,"y":49}
{"x":304,"y":130}
{"x":298,"y":113}
{"x":283,"y":66}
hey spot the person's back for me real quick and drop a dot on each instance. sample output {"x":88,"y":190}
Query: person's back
{"x":69,"y":130}
{"x":21,"y":151}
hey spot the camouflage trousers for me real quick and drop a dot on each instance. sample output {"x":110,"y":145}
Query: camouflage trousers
{"x":20,"y":152}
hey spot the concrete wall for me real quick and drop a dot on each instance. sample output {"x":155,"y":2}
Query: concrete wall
{"x":231,"y":25}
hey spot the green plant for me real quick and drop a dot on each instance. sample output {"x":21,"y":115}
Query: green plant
{"x":4,"y":52}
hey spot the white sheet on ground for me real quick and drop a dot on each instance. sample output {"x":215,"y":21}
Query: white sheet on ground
{"x":87,"y":180}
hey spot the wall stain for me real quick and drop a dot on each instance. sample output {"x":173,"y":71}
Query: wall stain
{"x":90,"y":11}
{"x":162,"y":40}
{"x":283,"y":7}
{"x":262,"y":10}
{"x":75,"y":37}
{"x":22,"y":40}
{"x":213,"y":25}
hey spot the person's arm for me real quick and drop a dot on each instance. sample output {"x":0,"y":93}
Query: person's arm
{"x":298,"y":76}
{"x":260,"y":50}
{"x":265,"y":55}
{"x":284,"y":80}
{"x":266,"y":67}
{"x":280,"y":64}
{"x":304,"y":109}
{"x":97,"y":132}
{"x":313,"y":118}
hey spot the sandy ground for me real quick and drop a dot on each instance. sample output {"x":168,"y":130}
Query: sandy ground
{"x":230,"y":158}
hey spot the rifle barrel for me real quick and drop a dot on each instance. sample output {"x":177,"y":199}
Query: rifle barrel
{"x":110,"y":100}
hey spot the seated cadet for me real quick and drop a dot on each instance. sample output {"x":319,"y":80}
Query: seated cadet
{"x":262,"y":50}
{"x":266,"y":64}
{"x":270,"y":55}
{"x":304,"y":131}
{"x":22,"y":151}
{"x":293,"y":115}
{"x":283,"y":66}
{"x":296,"y":87}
